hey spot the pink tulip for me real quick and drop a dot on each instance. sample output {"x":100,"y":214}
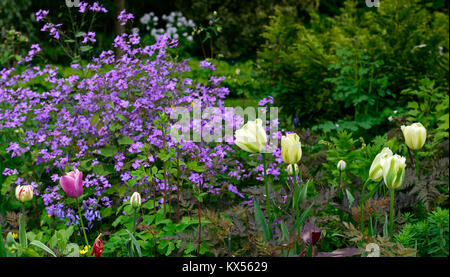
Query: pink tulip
{"x":72,"y":183}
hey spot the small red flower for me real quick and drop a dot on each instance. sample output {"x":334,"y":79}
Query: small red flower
{"x":97,"y":249}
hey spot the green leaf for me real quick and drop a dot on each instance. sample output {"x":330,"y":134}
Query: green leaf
{"x":284,"y":231}
{"x":125,"y":140}
{"x":72,"y":250}
{"x":108,"y":151}
{"x":43,"y":247}
{"x":2,"y":244}
{"x":95,"y":119}
{"x":260,"y":220}
{"x":85,"y":48}
{"x":350,"y":197}
{"x":136,"y":244}
{"x":22,"y":233}
{"x":304,"y":215}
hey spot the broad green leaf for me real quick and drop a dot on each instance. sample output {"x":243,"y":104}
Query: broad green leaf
{"x":95,"y":119}
{"x":108,"y":151}
{"x":22,"y":233}
{"x":43,"y":247}
{"x":125,"y":140}
{"x":350,"y":197}
{"x":2,"y":244}
{"x":260,"y":220}
{"x":136,"y":244}
{"x":284,"y":231}
{"x":85,"y":48}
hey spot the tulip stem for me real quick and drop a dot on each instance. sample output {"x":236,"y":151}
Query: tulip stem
{"x":267,"y":193}
{"x":134,"y":222}
{"x":297,"y":212}
{"x":391,"y":215}
{"x":362,"y":205}
{"x":81,"y":220}
{"x":416,"y":156}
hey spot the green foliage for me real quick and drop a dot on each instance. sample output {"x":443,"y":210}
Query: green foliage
{"x":357,"y":154}
{"x":12,"y":43}
{"x":355,"y":86}
{"x":156,"y":235}
{"x":393,"y":47}
{"x":240,"y":77}
{"x":430,"y":237}
{"x":429,"y":106}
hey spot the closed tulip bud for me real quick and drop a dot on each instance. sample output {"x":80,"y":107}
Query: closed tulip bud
{"x":290,"y":170}
{"x":135,"y":200}
{"x":376,"y":170}
{"x":24,"y":193}
{"x":251,"y":137}
{"x":291,"y":148}
{"x":72,"y":183}
{"x":393,"y":171}
{"x":341,"y":165}
{"x":415,"y":135}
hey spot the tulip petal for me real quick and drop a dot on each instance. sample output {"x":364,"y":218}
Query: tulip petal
{"x":68,"y":185}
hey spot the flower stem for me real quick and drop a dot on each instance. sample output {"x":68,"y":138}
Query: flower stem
{"x":134,"y":222}
{"x":267,"y":193}
{"x":81,"y":220}
{"x":297,"y":212}
{"x":391,"y":215}
{"x":416,"y":156}
{"x":362,"y":205}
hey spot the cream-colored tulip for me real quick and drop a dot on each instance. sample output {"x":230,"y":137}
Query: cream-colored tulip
{"x":415,"y":135}
{"x":24,"y":193}
{"x":251,"y":137}
{"x":290,"y":170}
{"x":341,"y":165}
{"x":135,"y":200}
{"x":291,"y":148}
{"x":393,"y":171}
{"x":376,"y":171}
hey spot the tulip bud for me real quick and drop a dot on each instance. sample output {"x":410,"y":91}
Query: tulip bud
{"x":415,"y":135}
{"x":393,"y":171}
{"x":72,"y":183}
{"x":290,"y":169}
{"x":291,"y":148}
{"x":251,"y":137}
{"x":376,"y":171}
{"x":24,"y":193}
{"x":135,"y":200}
{"x":341,"y":165}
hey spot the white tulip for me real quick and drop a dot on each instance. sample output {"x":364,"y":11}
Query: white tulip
{"x":291,"y":148}
{"x":251,"y":137}
{"x":376,"y":171}
{"x":393,"y":171}
{"x":415,"y":135}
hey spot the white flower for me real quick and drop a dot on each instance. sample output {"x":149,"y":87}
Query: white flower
{"x":376,"y":170}
{"x":415,"y":135}
{"x":251,"y":137}
{"x":341,"y":165}
{"x":373,"y":250}
{"x":291,"y":148}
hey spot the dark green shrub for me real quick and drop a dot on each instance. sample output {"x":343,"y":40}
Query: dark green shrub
{"x":242,"y":22}
{"x":402,"y":38}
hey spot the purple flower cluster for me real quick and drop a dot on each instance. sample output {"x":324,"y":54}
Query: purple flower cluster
{"x":89,"y":37}
{"x":76,"y":120}
{"x":123,"y":17}
{"x":41,"y":14}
